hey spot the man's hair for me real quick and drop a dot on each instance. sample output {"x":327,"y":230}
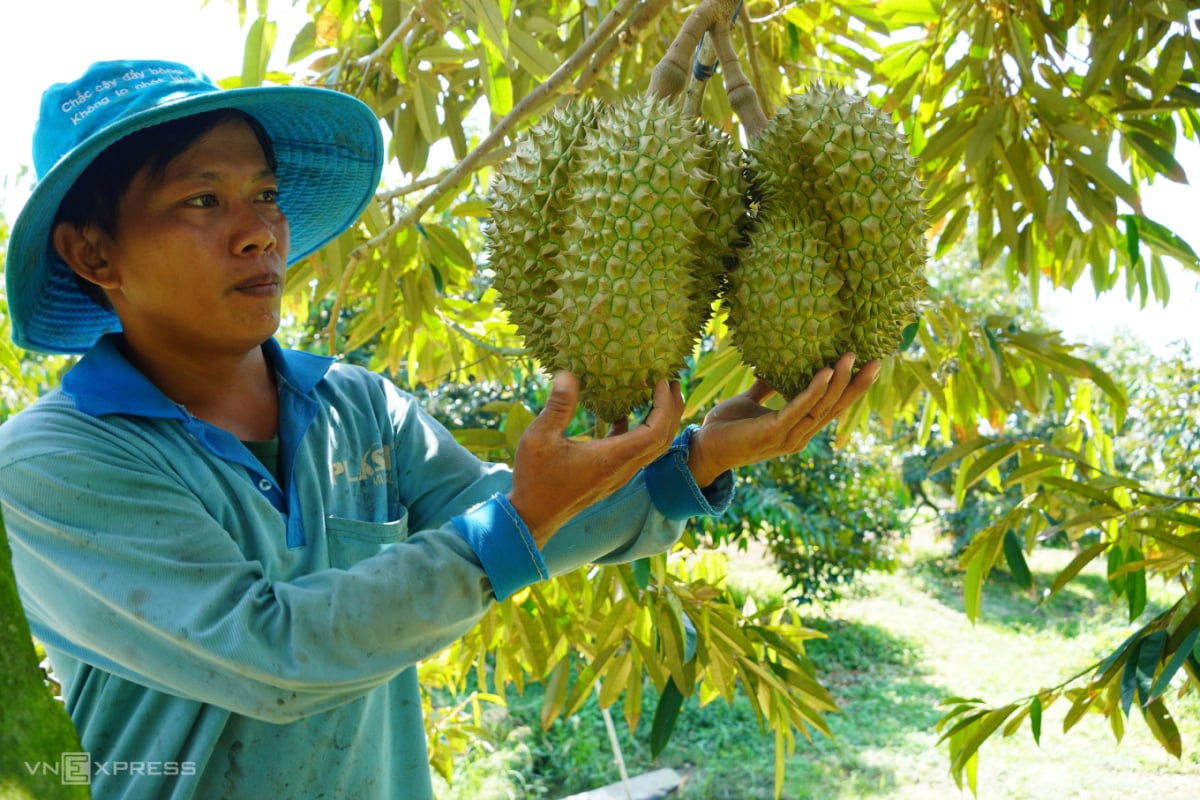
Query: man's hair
{"x":94,"y":197}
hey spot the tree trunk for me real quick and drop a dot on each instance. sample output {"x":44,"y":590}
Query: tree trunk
{"x":35,"y":730}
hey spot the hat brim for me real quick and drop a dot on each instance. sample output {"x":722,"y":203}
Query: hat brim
{"x":329,"y":153}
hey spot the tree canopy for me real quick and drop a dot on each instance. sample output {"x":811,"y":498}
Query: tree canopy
{"x":1038,"y":128}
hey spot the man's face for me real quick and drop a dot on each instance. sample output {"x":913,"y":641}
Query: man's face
{"x":199,"y":253}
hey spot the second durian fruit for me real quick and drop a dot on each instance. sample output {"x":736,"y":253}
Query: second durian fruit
{"x":836,"y":254}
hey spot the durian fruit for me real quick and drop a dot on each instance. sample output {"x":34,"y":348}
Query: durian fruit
{"x":838,"y":204}
{"x":527,"y":225}
{"x":610,"y":230}
{"x":786,"y":314}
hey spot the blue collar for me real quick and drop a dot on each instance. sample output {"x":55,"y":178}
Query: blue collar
{"x":104,"y":382}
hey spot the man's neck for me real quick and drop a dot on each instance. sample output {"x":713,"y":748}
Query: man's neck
{"x":232,"y":390}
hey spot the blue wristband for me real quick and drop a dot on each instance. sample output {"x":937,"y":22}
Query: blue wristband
{"x":673,"y":490}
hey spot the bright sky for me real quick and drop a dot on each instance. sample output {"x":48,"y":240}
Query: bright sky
{"x":55,"y":40}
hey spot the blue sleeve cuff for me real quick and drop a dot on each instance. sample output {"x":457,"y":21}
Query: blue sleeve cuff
{"x":673,"y":490}
{"x":501,"y":540}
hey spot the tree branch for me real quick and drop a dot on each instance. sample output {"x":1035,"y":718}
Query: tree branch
{"x":646,"y":13}
{"x":756,"y":77}
{"x":494,"y":157}
{"x":522,"y":109}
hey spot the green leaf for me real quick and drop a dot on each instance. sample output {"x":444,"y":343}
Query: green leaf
{"x":1098,"y":170}
{"x":1116,"y":578}
{"x":973,"y":586}
{"x":481,"y":440}
{"x":1159,"y":157}
{"x":530,"y":54}
{"x":977,"y":736}
{"x":1035,"y":720}
{"x":716,"y":370}
{"x":1132,"y":247}
{"x":1189,"y":545}
{"x":1159,"y":280}
{"x":479,"y":209}
{"x":446,"y":245}
{"x":1135,"y":586}
{"x":1105,"y":50}
{"x":1083,"y":489}
{"x":1078,"y":708}
{"x":260,"y":41}
{"x":490,"y":21}
{"x":1169,"y":69}
{"x":1172,"y":666}
{"x":665,"y":716}
{"x":989,"y":460}
{"x":641,"y":572}
{"x":425,"y":102}
{"x":1147,"y":662}
{"x":1131,"y":675}
{"x":1014,"y":554}
{"x":304,"y":44}
{"x":986,"y":130}
{"x":1163,"y":727}
{"x":1080,"y":561}
{"x":1166,"y":241}
{"x":518,"y":419}
{"x":952,"y":231}
{"x":556,"y":691}
{"x":908,"y":12}
{"x":957,"y":452}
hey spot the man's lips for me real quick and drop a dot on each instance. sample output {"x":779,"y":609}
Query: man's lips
{"x":266,"y":283}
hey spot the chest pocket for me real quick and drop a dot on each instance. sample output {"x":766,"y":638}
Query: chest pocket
{"x":351,"y":540}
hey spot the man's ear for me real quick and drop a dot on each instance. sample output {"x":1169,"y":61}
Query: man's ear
{"x":82,"y":250}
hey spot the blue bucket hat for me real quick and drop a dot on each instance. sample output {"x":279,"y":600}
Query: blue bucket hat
{"x":328,"y":148}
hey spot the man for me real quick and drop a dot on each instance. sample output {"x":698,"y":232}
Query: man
{"x":234,"y":609}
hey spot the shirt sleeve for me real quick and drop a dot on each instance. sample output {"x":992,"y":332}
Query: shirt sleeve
{"x":654,"y":504}
{"x":124,"y":566}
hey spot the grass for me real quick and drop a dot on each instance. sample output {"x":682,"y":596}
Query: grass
{"x":895,"y":649}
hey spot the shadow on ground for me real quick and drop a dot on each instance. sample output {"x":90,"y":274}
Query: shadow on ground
{"x":876,"y":679}
{"x":1086,"y":598}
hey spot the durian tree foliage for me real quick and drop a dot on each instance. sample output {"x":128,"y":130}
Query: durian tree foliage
{"x":1036,"y":126}
{"x":1040,"y":124}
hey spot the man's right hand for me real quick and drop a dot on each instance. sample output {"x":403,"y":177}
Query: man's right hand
{"x":554,"y":478}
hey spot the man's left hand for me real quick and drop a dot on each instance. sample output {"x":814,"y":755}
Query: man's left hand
{"x":741,"y":431}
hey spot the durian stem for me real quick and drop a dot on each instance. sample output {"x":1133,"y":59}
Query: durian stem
{"x":695,"y":91}
{"x":670,"y":75}
{"x":742,"y":97}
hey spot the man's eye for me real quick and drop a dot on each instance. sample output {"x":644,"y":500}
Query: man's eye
{"x":269,"y":196}
{"x":203,"y":201}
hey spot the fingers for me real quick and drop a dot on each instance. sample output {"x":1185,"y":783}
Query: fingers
{"x":830,"y":392}
{"x":658,"y":429}
{"x":760,"y":390}
{"x":560,"y":405}
{"x":801,"y":408}
{"x":838,"y":381}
